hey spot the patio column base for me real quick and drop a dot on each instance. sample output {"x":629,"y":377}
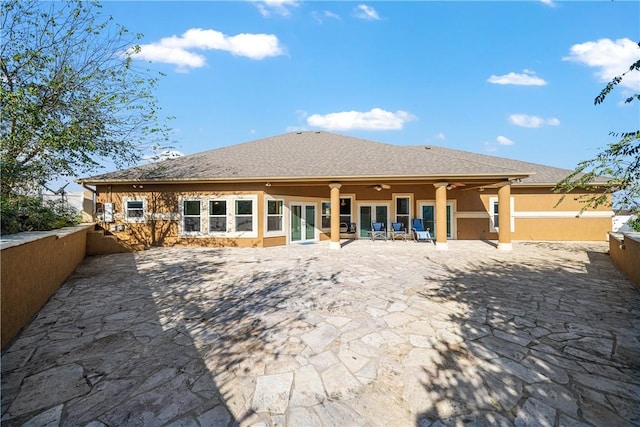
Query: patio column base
{"x":334,"y":245}
{"x":505,"y":247}
{"x":442,"y":246}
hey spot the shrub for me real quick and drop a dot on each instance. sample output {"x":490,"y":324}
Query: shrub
{"x":29,"y":213}
{"x":635,"y":223}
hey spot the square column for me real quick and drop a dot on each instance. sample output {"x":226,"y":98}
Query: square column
{"x":504,"y":217}
{"x":441,"y":215}
{"x":335,"y":215}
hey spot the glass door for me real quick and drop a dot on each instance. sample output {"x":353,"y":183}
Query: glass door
{"x":429,"y":219}
{"x":303,"y":222}
{"x":310,"y":222}
{"x":372,"y":213}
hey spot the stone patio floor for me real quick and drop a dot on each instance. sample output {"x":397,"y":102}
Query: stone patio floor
{"x":378,"y":333}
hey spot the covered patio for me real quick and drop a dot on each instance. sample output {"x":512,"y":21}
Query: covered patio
{"x":381,"y":333}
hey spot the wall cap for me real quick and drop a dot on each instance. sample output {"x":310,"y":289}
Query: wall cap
{"x":11,"y":240}
{"x":635,"y":236}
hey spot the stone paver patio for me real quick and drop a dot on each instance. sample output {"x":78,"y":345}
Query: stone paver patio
{"x":379,"y":333}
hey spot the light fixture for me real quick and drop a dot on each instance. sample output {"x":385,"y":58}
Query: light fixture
{"x":268,"y":184}
{"x":343,"y":202}
{"x":378,"y":187}
{"x":481,"y":189}
{"x":449,"y":187}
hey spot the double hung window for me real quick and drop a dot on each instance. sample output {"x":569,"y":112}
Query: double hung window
{"x":191,"y":216}
{"x":275,"y":214}
{"x":217,"y":216}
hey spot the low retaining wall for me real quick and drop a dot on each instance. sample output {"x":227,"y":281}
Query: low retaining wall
{"x":624,"y":249}
{"x":33,"y":267}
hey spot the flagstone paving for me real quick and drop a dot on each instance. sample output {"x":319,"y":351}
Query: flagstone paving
{"x":378,"y":333}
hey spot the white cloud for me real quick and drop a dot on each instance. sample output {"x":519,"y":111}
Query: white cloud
{"x":320,"y":16}
{"x":527,"y":78}
{"x":492,"y":147}
{"x":278,"y":7}
{"x":376,"y":119}
{"x":610,"y":58}
{"x":503,"y":140}
{"x":366,"y":12}
{"x":441,"y":136}
{"x":527,"y":121}
{"x":549,"y":3}
{"x":179,"y":50}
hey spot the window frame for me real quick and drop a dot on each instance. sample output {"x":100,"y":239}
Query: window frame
{"x":210,"y":216}
{"x":143,"y":209}
{"x":183,"y":216}
{"x":325,"y":214}
{"x":267,"y":215}
{"x":350,"y":214}
{"x":409,"y":214}
{"x":493,"y":203}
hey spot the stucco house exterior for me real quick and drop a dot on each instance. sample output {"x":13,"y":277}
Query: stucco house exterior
{"x":300,"y":187}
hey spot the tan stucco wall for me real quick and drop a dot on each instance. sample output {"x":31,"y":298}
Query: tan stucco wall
{"x":625,"y":254}
{"x":32,"y":271}
{"x":536,"y":215}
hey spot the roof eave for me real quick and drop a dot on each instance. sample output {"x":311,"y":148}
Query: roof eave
{"x":280,"y":179}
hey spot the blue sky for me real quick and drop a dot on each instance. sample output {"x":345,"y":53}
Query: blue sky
{"x":511,"y":79}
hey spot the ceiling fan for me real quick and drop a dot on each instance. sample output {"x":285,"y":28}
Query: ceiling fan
{"x":455,"y":185}
{"x":379,"y":187}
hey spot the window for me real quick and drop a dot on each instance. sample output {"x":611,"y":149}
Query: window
{"x":191,"y":216}
{"x":244,"y":215}
{"x":134,"y":209}
{"x":403,"y":211}
{"x":274,"y":215}
{"x":494,"y":214}
{"x":326,"y":215}
{"x":345,"y":210}
{"x":217,"y":216}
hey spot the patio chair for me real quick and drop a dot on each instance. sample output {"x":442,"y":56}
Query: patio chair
{"x":398,"y":230}
{"x":419,"y":232}
{"x":347,"y":228}
{"x":378,"y":231}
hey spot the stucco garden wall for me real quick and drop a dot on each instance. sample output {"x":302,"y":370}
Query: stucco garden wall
{"x":624,"y":250}
{"x":33,"y":267}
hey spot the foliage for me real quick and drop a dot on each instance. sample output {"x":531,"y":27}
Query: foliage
{"x":70,"y":95}
{"x":29,"y":213}
{"x":635,"y":224}
{"x":618,"y":163}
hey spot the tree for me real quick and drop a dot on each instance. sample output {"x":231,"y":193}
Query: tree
{"x":618,"y":163}
{"x":70,"y":94}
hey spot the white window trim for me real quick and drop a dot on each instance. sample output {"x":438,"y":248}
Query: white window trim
{"x":203,"y":217}
{"x":126,"y":200}
{"x":231,"y":215}
{"x":217,"y":233}
{"x":322,"y":215}
{"x":493,"y":228}
{"x":352,"y":197}
{"x":395,"y":206}
{"x":275,"y":233}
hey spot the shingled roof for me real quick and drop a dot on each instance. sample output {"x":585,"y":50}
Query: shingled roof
{"x":324,"y":155}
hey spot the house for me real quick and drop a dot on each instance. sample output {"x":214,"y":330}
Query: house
{"x":301,"y":186}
